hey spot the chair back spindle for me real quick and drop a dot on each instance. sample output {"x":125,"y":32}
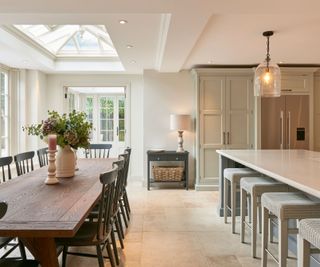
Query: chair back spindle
{"x":24,"y":162}
{"x":98,"y":151}
{"x":43,"y":156}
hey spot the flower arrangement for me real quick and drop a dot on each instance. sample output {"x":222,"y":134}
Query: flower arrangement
{"x":72,"y":129}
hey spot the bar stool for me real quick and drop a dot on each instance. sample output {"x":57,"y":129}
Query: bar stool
{"x":309,"y":234}
{"x":232,"y":176}
{"x":254,"y":187}
{"x":285,"y":206}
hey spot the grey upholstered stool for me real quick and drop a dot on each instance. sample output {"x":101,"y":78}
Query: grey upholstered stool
{"x":232,"y":176}
{"x":309,"y":234}
{"x":285,"y":206}
{"x":254,"y":187}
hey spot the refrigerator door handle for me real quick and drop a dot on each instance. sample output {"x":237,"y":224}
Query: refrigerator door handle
{"x":289,"y":129}
{"x":281,"y":129}
{"x":224,"y":138}
{"x":228,"y":138}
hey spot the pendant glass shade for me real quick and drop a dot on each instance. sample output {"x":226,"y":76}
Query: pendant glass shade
{"x":267,"y":80}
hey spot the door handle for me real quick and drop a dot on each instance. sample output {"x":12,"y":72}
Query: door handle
{"x":224,"y":138}
{"x":289,"y":129}
{"x":117,"y":131}
{"x":228,"y":138}
{"x":281,"y":129}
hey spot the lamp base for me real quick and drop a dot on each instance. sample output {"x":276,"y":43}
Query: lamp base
{"x":180,"y":142}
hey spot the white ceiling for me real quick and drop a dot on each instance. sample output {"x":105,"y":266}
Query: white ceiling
{"x":170,"y":35}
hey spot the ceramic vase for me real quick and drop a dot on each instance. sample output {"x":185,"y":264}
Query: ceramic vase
{"x":65,"y":162}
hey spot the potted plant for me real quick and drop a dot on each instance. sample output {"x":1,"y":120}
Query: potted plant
{"x":72,"y":131}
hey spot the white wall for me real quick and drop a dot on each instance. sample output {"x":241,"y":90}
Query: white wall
{"x":165,"y":94}
{"x":29,"y":96}
{"x":55,"y":101}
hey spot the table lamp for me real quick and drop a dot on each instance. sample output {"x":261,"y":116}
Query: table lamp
{"x":180,"y":122}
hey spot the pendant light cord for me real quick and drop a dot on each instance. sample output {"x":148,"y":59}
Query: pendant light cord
{"x":268,"y":53}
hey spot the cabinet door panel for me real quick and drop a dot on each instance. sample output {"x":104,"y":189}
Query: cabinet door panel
{"x":239,"y":94}
{"x":212,"y":129}
{"x":212,"y":124}
{"x":209,"y":166}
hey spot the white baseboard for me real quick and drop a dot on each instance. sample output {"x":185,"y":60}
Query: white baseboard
{"x":206,"y":187}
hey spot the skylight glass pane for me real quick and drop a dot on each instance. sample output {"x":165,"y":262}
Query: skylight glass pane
{"x":87,"y":42}
{"x":38,"y":30}
{"x":69,"y":46}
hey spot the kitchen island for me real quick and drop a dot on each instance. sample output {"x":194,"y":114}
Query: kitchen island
{"x":297,"y":168}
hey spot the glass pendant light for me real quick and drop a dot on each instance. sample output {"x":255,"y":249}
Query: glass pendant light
{"x":267,"y":80}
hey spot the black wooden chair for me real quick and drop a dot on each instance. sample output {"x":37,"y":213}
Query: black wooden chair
{"x":43,"y":156}
{"x":7,"y":241}
{"x":124,"y":197}
{"x":13,"y":262}
{"x":98,"y":151}
{"x":5,"y":167}
{"x":95,"y":232}
{"x":24,"y":162}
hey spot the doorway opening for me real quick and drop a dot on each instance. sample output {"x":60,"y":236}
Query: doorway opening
{"x":107,"y":110}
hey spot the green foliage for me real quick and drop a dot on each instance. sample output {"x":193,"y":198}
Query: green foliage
{"x":72,"y":129}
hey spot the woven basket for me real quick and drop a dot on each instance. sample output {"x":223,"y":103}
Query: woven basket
{"x":167,"y":173}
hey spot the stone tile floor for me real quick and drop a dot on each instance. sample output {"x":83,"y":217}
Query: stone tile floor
{"x":178,"y":228}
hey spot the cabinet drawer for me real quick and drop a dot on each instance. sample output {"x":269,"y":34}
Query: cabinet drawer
{"x":167,"y":157}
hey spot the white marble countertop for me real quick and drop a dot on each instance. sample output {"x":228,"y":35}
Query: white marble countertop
{"x":298,"y":168}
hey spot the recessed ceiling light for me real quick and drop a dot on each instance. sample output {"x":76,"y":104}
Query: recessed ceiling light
{"x":123,"y":21}
{"x":210,"y":62}
{"x":280,"y":62}
{"x":133,"y":61}
{"x":25,"y":61}
{"x":129,"y":46}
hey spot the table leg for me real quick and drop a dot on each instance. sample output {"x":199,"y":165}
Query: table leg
{"x":43,"y":249}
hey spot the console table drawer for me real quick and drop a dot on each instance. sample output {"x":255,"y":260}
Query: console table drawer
{"x":167,"y":157}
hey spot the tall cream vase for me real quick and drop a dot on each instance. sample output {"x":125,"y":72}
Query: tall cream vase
{"x":65,"y":162}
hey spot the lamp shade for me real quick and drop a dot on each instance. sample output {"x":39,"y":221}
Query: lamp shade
{"x":267,"y":80}
{"x":180,"y":122}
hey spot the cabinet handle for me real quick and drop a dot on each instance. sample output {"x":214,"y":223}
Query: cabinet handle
{"x":286,"y":90}
{"x":228,"y":137}
{"x":281,"y":129}
{"x":224,"y":138}
{"x":289,"y":129}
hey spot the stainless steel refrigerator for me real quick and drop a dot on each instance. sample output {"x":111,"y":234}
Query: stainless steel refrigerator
{"x":285,"y":122}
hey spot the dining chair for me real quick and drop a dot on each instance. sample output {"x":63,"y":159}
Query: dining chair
{"x":43,"y":156}
{"x":7,"y":241}
{"x":98,"y":151}
{"x":24,"y":162}
{"x":124,"y":197}
{"x":95,"y":232}
{"x":116,"y":220}
{"x":13,"y":262}
{"x":5,"y":167}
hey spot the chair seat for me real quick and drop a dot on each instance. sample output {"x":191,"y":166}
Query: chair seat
{"x":235,"y":174}
{"x":253,"y":184}
{"x":309,"y":229}
{"x":86,"y":236}
{"x":293,"y":205}
{"x":18,"y":263}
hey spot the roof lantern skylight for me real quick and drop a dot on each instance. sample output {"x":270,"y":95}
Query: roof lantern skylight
{"x":71,"y":40}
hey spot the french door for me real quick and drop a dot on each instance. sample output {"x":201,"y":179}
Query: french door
{"x":107,"y":114}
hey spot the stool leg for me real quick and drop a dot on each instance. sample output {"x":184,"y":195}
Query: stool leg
{"x":225,"y":198}
{"x":253,"y":225}
{"x":233,"y":205}
{"x":264,"y":246}
{"x":243,"y":211}
{"x":303,"y":252}
{"x":283,"y":242}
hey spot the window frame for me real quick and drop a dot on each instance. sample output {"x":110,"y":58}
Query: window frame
{"x":6,"y":138}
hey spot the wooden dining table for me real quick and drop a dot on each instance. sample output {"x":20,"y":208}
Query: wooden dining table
{"x":39,"y":213}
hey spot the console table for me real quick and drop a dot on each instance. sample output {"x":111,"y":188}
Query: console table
{"x":154,"y":156}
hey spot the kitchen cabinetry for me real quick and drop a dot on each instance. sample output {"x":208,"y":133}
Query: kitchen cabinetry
{"x":224,"y":118}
